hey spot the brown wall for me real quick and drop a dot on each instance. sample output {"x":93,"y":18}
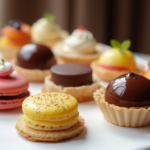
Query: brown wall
{"x":107,"y":19}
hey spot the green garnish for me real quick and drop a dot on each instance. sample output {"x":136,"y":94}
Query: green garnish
{"x":121,"y":46}
{"x":3,"y":61}
{"x":48,"y":16}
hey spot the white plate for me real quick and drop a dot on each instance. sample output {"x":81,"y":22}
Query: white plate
{"x":98,"y":133}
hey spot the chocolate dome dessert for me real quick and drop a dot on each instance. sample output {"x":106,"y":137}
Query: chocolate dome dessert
{"x":34,"y":62}
{"x":129,"y":90}
{"x":35,"y":56}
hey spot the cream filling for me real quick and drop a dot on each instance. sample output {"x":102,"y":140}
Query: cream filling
{"x":46,"y":29}
{"x":80,"y":42}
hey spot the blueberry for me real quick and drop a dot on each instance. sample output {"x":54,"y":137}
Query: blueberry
{"x":16,"y":24}
{"x":10,"y":22}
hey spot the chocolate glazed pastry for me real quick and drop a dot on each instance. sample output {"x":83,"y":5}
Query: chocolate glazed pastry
{"x":129,"y":90}
{"x":35,"y":56}
{"x":71,"y":74}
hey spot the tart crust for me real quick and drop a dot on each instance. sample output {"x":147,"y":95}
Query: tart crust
{"x":122,"y":116}
{"x":49,"y":136}
{"x":108,"y":75}
{"x":9,"y":52}
{"x":49,"y":43}
{"x":86,"y":59}
{"x":81,"y":93}
{"x":33,"y":75}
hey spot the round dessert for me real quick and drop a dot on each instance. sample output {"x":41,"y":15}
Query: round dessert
{"x":14,"y":35}
{"x":125,"y":98}
{"x":45,"y":31}
{"x":115,"y":62}
{"x":54,"y":115}
{"x":13,"y":88}
{"x":79,"y":47}
{"x":72,"y":78}
{"x":34,"y":61}
{"x":147,"y":72}
{"x":6,"y":68}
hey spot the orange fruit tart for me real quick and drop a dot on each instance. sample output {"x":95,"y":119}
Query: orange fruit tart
{"x":14,"y":35}
{"x":116,"y":61}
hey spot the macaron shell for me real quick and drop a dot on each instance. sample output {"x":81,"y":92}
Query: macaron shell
{"x":10,"y":104}
{"x":13,"y":85}
{"x":52,"y":106}
{"x":51,"y":125}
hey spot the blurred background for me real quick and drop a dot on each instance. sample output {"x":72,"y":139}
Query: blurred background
{"x":106,"y":19}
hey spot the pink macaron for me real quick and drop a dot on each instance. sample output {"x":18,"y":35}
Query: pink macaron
{"x":13,"y":89}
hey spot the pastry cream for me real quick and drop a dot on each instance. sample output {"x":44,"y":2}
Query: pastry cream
{"x":81,"y":41}
{"x":46,"y":29}
{"x":114,"y":59}
{"x":54,"y":111}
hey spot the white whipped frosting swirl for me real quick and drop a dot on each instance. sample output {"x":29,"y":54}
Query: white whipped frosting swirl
{"x":6,"y":66}
{"x":45,"y":28}
{"x":80,"y":42}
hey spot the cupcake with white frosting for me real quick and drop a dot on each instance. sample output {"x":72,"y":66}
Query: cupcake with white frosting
{"x":45,"y":31}
{"x":79,"y":47}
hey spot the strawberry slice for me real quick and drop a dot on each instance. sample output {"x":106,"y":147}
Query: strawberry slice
{"x":113,"y":67}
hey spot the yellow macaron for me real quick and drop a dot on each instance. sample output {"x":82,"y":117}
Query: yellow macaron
{"x":50,"y":111}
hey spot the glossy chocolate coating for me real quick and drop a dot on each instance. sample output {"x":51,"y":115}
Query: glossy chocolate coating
{"x":71,"y":74}
{"x":13,"y":97}
{"x":35,"y":56}
{"x":129,"y":90}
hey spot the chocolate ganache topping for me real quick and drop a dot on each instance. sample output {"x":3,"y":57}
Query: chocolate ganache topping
{"x":35,"y":56}
{"x":129,"y":90}
{"x":71,"y":74}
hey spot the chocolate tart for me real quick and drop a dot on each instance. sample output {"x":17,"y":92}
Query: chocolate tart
{"x":108,"y":75}
{"x":126,"y":100}
{"x":74,"y":79}
{"x":34,"y":62}
{"x":86,"y":59}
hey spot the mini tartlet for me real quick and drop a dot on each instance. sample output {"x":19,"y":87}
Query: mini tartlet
{"x":13,"y":88}
{"x":45,"y":31}
{"x":79,"y":47}
{"x":115,"y":62}
{"x":126,"y":101}
{"x":14,"y":35}
{"x":34,"y":62}
{"x":50,"y":117}
{"x":72,"y":78}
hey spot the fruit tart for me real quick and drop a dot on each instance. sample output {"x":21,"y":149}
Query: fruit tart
{"x":14,"y":35}
{"x":116,"y":61}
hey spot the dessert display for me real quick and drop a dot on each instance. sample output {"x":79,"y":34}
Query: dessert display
{"x":126,"y":100}
{"x":115,"y":62}
{"x":79,"y":47}
{"x":72,"y":78}
{"x":45,"y":31}
{"x":34,"y":62}
{"x":13,"y":88}
{"x":14,"y":35}
{"x":50,"y":117}
{"x":147,"y":72}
